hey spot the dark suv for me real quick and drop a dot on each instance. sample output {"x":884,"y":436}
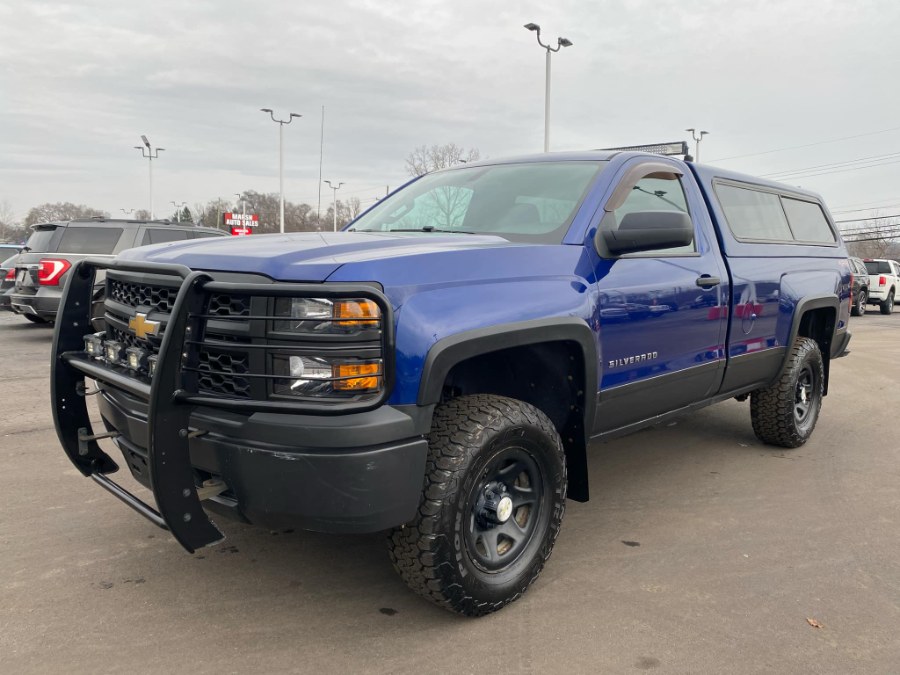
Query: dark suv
{"x":53,"y":248}
{"x":860,"y":286}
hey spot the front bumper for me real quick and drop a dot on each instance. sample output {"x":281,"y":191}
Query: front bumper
{"x":357,"y":467}
{"x":351,"y":474}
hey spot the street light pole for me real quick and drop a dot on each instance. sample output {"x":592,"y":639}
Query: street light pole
{"x":151,"y":154}
{"x":178,"y":209}
{"x":560,"y":43}
{"x":243,"y":203}
{"x":697,"y":140}
{"x":281,"y":124}
{"x":334,"y":188}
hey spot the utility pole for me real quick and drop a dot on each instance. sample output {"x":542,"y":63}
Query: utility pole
{"x":281,"y":124}
{"x":335,"y":188}
{"x":697,"y":140}
{"x":150,"y":154}
{"x":560,"y":43}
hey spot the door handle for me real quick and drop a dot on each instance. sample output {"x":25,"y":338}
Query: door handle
{"x":706,"y":281}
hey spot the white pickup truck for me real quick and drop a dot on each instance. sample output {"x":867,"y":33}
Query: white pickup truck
{"x":884,"y":282}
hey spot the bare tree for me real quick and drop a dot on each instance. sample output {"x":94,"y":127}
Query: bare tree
{"x":425,"y":159}
{"x":142,"y":214}
{"x":872,"y":238}
{"x":10,"y":228}
{"x":46,"y":213}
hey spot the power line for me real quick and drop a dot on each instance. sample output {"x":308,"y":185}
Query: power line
{"x":865,"y":220}
{"x":831,"y":165}
{"x":852,"y":168}
{"x":807,"y":145}
{"x":868,"y":208}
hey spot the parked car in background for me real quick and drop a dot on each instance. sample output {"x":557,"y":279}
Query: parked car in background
{"x":7,"y":250}
{"x":860,"y":286}
{"x":53,"y":248}
{"x":884,"y":282}
{"x":7,"y":280}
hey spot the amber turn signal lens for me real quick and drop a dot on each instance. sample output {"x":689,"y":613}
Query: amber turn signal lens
{"x":357,"y":312}
{"x":362,"y":376}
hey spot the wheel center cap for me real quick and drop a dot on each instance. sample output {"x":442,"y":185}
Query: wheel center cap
{"x":504,"y":509}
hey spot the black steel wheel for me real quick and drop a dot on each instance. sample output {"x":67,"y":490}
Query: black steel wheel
{"x":491,"y":508}
{"x":785,"y":413}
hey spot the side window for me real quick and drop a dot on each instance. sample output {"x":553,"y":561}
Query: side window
{"x":656,"y":194}
{"x":752,"y":214}
{"x":808,"y":221}
{"x":101,"y":240}
{"x":160,"y":236}
{"x":202,"y":234}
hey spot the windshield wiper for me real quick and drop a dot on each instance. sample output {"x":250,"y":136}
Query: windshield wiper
{"x":425,"y":228}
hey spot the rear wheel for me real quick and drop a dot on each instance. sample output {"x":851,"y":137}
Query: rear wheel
{"x":861,"y":299}
{"x":491,"y":508}
{"x":785,"y":414}
{"x":887,"y":305}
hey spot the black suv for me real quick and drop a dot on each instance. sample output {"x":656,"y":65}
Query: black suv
{"x":860,"y":286}
{"x":53,"y":248}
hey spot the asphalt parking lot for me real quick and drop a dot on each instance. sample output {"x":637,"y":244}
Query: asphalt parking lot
{"x":702,"y":551}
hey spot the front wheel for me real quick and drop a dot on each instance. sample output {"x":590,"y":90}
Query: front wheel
{"x":785,"y":414}
{"x":887,"y":305}
{"x":491,"y":508}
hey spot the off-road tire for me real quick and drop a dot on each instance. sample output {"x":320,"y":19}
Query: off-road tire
{"x":860,"y":308}
{"x":781,"y":414}
{"x":887,"y":305}
{"x":471,"y":437}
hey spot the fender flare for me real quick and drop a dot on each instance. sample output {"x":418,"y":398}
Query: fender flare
{"x":449,"y":351}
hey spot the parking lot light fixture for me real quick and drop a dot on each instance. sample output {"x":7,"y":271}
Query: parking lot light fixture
{"x":334,"y":189}
{"x":281,"y":124}
{"x":150,"y":153}
{"x":697,"y":140}
{"x":560,"y":43}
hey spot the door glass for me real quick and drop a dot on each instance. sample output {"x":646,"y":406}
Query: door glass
{"x":656,"y":194}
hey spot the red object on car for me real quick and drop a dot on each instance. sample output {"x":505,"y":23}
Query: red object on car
{"x":51,"y":271}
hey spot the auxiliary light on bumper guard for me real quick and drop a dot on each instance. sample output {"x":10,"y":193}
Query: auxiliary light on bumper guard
{"x":177,"y":500}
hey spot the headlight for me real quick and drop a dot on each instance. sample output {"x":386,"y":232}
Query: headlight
{"x":325,"y":376}
{"x":323,"y":316}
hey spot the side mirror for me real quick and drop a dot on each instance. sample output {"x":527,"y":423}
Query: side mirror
{"x":650,"y":230}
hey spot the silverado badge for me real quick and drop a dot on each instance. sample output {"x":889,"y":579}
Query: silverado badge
{"x":141,"y":328}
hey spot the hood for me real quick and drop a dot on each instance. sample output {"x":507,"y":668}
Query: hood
{"x":305,"y":256}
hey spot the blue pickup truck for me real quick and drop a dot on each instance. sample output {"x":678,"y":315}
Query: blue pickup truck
{"x":438,"y":369}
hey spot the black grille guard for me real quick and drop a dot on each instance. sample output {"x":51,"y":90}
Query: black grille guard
{"x":168,"y":452}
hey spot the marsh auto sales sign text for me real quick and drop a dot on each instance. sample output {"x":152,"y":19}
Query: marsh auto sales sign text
{"x":241,"y":220}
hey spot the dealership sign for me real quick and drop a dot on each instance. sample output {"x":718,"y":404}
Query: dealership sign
{"x":240,"y":223}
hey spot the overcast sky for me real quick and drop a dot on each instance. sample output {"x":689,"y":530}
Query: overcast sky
{"x":81,"y":81}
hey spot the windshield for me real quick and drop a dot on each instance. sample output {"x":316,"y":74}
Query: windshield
{"x":533,"y":202}
{"x":878,"y":267}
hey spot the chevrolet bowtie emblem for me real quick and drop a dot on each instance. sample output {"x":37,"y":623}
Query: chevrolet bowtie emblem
{"x":139,"y":325}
